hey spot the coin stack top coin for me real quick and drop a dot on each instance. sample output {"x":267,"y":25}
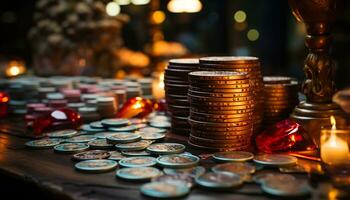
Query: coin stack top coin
{"x":281,"y":96}
{"x":250,"y":65}
{"x":220,"y":110}
{"x":176,"y":88}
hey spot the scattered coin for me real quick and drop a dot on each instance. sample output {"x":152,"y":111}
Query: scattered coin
{"x":139,"y":145}
{"x":164,"y":189}
{"x":219,"y":180}
{"x":81,"y":139}
{"x":115,"y":122}
{"x":100,"y":144}
{"x":183,"y":178}
{"x":234,"y":156}
{"x":286,"y":189}
{"x":138,"y":173}
{"x":115,"y":155}
{"x":97,"y":125}
{"x":96,"y":166}
{"x":161,"y":124}
{"x":71,"y":147}
{"x":152,"y":136}
{"x":123,"y":137}
{"x":91,"y":155}
{"x":293,"y":169}
{"x":129,"y":128}
{"x":262,"y":178}
{"x":138,"y":161}
{"x":178,"y":161}
{"x":275,"y":159}
{"x":240,"y":168}
{"x":43,"y":143}
{"x":104,"y":135}
{"x":89,"y":129}
{"x":166,"y":148}
{"x":193,"y":172}
{"x":62,"y":134}
{"x":135,"y":153}
{"x":152,"y":130}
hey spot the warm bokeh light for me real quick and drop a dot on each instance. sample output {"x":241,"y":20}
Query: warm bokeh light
{"x":140,"y":2}
{"x":15,"y":68}
{"x":123,"y":2}
{"x":112,"y":9}
{"x":158,"y":17}
{"x":253,"y":35}
{"x":184,"y":6}
{"x":240,"y":16}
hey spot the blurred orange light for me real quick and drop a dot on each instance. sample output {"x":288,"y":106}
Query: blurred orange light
{"x":158,"y":17}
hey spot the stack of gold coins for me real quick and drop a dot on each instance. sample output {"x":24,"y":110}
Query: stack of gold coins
{"x":281,"y":96}
{"x":221,"y":110}
{"x":250,"y":65}
{"x":176,"y":88}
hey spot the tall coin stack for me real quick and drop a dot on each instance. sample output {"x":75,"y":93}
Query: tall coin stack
{"x":281,"y":97}
{"x":250,"y":65}
{"x":176,"y":89}
{"x":221,"y":110}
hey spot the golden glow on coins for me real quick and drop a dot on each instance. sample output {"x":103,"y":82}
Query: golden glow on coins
{"x":184,"y":6}
{"x":253,"y":35}
{"x":158,"y":17}
{"x":112,"y":9}
{"x":140,"y":2}
{"x":240,"y":16}
{"x":123,"y":2}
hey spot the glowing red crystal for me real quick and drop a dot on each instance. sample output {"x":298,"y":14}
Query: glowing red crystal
{"x":135,"y":107}
{"x":4,"y":100}
{"x":285,"y":135}
{"x":160,"y":106}
{"x":63,"y":118}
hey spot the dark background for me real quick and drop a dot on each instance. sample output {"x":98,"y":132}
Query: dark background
{"x":210,"y":32}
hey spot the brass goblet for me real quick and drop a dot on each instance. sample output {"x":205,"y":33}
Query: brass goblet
{"x":318,"y":17}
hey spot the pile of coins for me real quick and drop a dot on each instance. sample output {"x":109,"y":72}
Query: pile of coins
{"x":176,"y":88}
{"x":250,"y":65}
{"x":281,"y":97}
{"x":220,"y":110}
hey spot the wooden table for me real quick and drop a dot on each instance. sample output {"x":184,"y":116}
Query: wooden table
{"x":53,"y":174}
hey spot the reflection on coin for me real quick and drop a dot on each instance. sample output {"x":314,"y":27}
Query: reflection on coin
{"x":193,"y":172}
{"x":62,"y":134}
{"x":289,"y":189}
{"x":161,"y":124}
{"x":221,"y":180}
{"x":100,"y":144}
{"x":275,"y":159}
{"x":165,"y":189}
{"x":135,"y":153}
{"x":152,"y":136}
{"x":96,"y":165}
{"x":115,"y":155}
{"x":104,"y":135}
{"x":138,"y":173}
{"x":152,"y":130}
{"x":89,"y":129}
{"x":140,"y":145}
{"x":123,"y":137}
{"x":240,"y":168}
{"x":97,"y":125}
{"x":43,"y":143}
{"x":138,"y":161}
{"x":91,"y":155}
{"x":262,"y":178}
{"x":130,"y":128}
{"x":71,"y":147}
{"x":293,"y":169}
{"x":166,"y":148}
{"x":81,"y":138}
{"x":177,"y":161}
{"x":233,"y":156}
{"x":184,"y":179}
{"x":117,"y":122}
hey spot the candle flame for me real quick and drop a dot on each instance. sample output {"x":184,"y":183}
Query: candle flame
{"x":333,"y":123}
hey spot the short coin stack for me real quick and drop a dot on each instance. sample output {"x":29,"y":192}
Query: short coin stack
{"x":250,"y":65}
{"x":281,"y":96}
{"x":221,"y":110}
{"x":176,"y":88}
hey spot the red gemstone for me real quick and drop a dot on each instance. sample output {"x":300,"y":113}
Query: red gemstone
{"x":285,"y":135}
{"x":4,"y":100}
{"x":160,"y":106}
{"x":63,"y":118}
{"x":135,"y":107}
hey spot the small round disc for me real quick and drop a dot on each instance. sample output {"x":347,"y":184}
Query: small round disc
{"x":286,"y":189}
{"x":161,"y":124}
{"x":240,"y":168}
{"x":117,"y":122}
{"x":97,"y":125}
{"x":62,"y":134}
{"x":123,"y":137}
{"x":115,"y":155}
{"x":91,"y":155}
{"x":136,"y":153}
{"x":100,"y":144}
{"x":140,"y":145}
{"x":81,"y":139}
{"x":96,"y":166}
{"x":89,"y":129}
{"x":43,"y":143}
{"x":129,"y":128}
{"x":138,"y":161}
{"x":164,"y":189}
{"x":275,"y":159}
{"x":193,"y":172}
{"x":104,"y":135}
{"x":262,"y":178}
{"x":233,"y":156}
{"x":219,"y":180}
{"x":166,"y":148}
{"x":71,"y":147}
{"x":184,"y":179}
{"x":138,"y":173}
{"x":152,"y":130}
{"x":152,"y":136}
{"x":178,"y":161}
